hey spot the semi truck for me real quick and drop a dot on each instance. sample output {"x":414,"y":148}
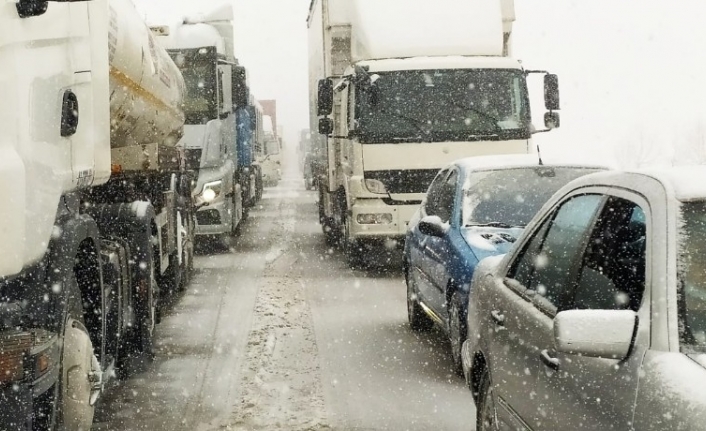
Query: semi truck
{"x":306,"y":157}
{"x":393,"y":107}
{"x":250,"y":174}
{"x":96,"y":203}
{"x":270,"y":159}
{"x":202,"y":47}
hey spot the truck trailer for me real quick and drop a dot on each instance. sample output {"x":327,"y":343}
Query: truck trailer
{"x":270,"y":157}
{"x":399,"y":88}
{"x":97,"y":203}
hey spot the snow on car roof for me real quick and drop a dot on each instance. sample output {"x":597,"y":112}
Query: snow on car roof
{"x":515,"y":161}
{"x":687,"y":182}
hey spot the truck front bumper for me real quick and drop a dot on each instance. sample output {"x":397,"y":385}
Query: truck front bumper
{"x":214,"y":219}
{"x":373,"y":219}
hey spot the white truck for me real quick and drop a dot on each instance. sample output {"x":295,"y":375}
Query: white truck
{"x":202,"y":47}
{"x":270,"y":161}
{"x":410,"y":86}
{"x":96,"y":203}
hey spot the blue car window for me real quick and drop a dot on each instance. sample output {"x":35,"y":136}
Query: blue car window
{"x":513,"y":196}
{"x":431,"y":206}
{"x":445,"y":198}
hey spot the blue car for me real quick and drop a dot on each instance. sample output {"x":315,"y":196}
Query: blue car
{"x":475,"y":208}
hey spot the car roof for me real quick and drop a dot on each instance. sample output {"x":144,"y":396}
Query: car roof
{"x":514,"y":161}
{"x":685,"y":183}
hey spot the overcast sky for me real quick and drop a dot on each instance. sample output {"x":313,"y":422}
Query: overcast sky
{"x":630,"y":75}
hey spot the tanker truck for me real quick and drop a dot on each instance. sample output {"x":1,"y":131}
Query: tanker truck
{"x":202,"y":47}
{"x":96,"y":203}
{"x":393,"y":107}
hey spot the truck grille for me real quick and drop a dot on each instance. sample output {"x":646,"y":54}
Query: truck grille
{"x":404,"y":181}
{"x":208,"y":218}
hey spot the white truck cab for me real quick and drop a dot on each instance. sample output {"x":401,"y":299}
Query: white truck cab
{"x":392,"y":108}
{"x":202,"y":48}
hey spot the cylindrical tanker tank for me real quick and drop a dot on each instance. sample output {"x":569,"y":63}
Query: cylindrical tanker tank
{"x":146,"y":88}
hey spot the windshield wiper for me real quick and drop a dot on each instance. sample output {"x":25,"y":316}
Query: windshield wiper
{"x":497,"y":224}
{"x":417,"y":123}
{"x":477,"y":111}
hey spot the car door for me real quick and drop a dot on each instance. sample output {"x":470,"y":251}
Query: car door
{"x":599,"y":393}
{"x":437,"y":252}
{"x":419,"y":264}
{"x":521,"y":307}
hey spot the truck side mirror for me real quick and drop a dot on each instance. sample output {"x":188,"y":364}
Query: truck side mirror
{"x":241,"y":93}
{"x":551,"y":120}
{"x":325,"y":97}
{"x":551,"y":92}
{"x":30,"y":8}
{"x":325,"y":126}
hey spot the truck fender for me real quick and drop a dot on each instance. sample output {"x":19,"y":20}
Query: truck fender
{"x":81,"y":381}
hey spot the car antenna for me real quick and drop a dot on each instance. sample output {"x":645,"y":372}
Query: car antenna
{"x":539,"y":154}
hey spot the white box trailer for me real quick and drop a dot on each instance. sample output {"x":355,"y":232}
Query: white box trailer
{"x":409,"y":86}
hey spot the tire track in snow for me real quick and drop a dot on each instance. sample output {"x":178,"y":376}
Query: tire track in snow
{"x":281,"y":383}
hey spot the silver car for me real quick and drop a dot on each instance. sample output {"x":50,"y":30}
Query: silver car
{"x":597,"y":318}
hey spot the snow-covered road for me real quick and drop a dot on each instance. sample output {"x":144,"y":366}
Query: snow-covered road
{"x":279,"y":334}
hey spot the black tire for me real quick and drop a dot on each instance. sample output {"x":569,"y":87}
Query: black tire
{"x":485,"y":409}
{"x":354,"y":250}
{"x":141,"y":338}
{"x":418,"y":320}
{"x":330,"y":235}
{"x":457,"y":332}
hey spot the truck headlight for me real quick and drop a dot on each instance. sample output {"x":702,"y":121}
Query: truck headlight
{"x":211,"y":191}
{"x":378,"y":218}
{"x":375,"y":186}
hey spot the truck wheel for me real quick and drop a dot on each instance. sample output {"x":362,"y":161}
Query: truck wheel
{"x":142,"y":335}
{"x":351,"y":248}
{"x":80,"y":371}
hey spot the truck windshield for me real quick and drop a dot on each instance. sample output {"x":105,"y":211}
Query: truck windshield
{"x":444,"y":105}
{"x":198,"y":66}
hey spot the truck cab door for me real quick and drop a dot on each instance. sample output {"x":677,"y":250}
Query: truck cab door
{"x":85,"y":108}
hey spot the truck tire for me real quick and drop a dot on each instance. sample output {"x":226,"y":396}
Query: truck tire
{"x":74,"y":406}
{"x":353,"y":249}
{"x":141,"y":338}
